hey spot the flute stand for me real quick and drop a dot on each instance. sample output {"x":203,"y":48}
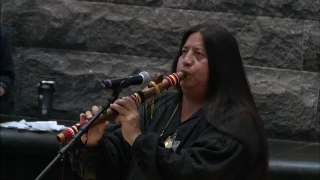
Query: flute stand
{"x":83,"y":129}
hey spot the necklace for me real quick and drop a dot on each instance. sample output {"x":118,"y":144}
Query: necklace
{"x":174,"y":112}
{"x":171,"y":139}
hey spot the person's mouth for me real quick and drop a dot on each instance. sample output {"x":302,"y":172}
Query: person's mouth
{"x":186,"y":72}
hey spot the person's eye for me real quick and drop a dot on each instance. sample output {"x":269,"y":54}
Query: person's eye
{"x":184,"y":51}
{"x":200,"y":53}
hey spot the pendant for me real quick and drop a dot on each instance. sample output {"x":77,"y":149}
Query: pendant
{"x":168,"y":143}
{"x":175,"y":145}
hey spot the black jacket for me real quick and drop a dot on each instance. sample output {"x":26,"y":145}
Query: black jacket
{"x":203,"y":152}
{"x":7,"y":74}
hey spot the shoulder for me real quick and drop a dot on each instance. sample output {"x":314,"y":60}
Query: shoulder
{"x":167,"y":96}
{"x":240,"y":121}
{"x":3,"y":32}
{"x":4,"y":37}
{"x":236,"y":118}
{"x":239,"y":124}
{"x":226,"y":130}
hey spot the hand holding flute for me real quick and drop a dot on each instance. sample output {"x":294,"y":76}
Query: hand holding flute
{"x":128,"y":116}
{"x":95,"y":133}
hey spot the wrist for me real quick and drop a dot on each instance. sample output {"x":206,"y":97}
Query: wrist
{"x":134,"y":137}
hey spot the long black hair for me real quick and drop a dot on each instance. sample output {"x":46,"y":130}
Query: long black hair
{"x":230,"y":106}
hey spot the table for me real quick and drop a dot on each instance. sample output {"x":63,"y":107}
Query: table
{"x":25,"y":154}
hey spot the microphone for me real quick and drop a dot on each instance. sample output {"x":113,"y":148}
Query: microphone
{"x":143,"y":78}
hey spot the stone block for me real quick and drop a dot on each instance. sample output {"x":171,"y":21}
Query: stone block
{"x":47,"y":23}
{"x":151,"y":3}
{"x":296,"y":9}
{"x":287,"y":101}
{"x":311,"y":46}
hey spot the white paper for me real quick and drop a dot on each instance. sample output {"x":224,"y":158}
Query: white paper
{"x":34,"y":126}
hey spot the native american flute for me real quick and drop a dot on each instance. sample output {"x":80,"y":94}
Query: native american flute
{"x":139,"y":97}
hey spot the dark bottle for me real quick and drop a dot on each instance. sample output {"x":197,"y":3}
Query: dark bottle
{"x":45,"y":99}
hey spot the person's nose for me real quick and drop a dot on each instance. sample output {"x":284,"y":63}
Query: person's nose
{"x":188,"y":59}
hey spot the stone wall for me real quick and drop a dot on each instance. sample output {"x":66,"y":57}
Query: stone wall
{"x":77,"y":43}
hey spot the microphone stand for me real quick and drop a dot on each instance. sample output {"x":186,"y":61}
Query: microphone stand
{"x":83,"y":129}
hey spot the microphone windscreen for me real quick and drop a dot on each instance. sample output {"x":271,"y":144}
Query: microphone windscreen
{"x":146,"y":78}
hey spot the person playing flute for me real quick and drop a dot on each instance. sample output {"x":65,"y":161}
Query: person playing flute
{"x":208,"y":127}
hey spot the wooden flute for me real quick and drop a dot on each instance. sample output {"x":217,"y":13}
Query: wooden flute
{"x":139,"y":97}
